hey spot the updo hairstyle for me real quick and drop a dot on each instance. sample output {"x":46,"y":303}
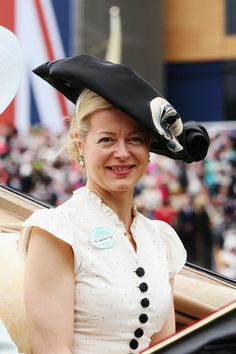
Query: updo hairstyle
{"x":87,"y":103}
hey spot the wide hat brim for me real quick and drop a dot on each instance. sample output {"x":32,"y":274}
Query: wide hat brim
{"x":130,"y":93}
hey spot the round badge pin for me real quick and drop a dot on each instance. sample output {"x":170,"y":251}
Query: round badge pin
{"x":102,"y":237}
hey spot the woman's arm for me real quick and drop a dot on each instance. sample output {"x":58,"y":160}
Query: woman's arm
{"x":169,"y":325}
{"x":49,"y":293}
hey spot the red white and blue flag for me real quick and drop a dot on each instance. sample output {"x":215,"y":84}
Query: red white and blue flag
{"x":44,"y":29}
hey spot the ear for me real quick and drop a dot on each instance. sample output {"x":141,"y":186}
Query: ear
{"x":79,"y":143}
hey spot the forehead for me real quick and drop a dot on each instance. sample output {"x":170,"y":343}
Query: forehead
{"x":112,"y":118}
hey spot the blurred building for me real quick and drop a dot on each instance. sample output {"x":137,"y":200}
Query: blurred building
{"x":200,"y":58}
{"x":186,"y":49}
{"x":142,"y":27}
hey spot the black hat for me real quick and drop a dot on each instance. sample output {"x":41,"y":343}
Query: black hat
{"x":130,"y":93}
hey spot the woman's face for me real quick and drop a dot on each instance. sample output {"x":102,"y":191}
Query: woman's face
{"x":115,"y":150}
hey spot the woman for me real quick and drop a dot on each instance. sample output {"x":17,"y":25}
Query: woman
{"x":99,"y":275}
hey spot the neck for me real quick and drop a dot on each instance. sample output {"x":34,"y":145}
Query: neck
{"x":120,"y":203}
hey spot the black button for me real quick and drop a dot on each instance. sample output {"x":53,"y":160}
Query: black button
{"x":143,"y":318}
{"x":145,"y":302}
{"x":133,"y":344}
{"x":138,"y":332}
{"x":140,"y":272}
{"x":143,"y":287}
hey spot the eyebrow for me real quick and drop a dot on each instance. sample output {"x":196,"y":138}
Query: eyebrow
{"x":110,"y":133}
{"x":104,"y":132}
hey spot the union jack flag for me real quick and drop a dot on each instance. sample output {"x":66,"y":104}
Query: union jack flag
{"x":44,"y":29}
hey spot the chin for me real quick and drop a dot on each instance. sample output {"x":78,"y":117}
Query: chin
{"x":126,"y":187}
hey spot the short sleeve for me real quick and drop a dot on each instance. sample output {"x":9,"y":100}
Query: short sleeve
{"x":176,"y":253}
{"x":52,"y":221}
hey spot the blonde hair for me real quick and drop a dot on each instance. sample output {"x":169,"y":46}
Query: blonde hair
{"x":87,"y":103}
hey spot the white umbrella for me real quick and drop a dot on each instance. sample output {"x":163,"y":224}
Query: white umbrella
{"x":11,"y":65}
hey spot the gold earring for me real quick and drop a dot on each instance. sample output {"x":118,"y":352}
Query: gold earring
{"x":81,"y":161}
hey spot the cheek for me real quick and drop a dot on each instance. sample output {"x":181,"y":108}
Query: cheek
{"x":94,"y":161}
{"x":143,"y":161}
{"x":145,"y":156}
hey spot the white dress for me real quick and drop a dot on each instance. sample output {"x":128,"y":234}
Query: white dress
{"x":122,"y":297}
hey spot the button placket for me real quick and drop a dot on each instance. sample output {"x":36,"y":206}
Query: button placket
{"x":143,"y":317}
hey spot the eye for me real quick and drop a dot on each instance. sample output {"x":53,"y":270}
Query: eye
{"x":137,"y":139}
{"x":105,"y":139}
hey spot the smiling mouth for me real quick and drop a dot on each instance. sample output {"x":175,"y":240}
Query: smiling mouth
{"x":121,"y":168}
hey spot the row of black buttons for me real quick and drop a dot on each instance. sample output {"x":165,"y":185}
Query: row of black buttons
{"x":143,"y":318}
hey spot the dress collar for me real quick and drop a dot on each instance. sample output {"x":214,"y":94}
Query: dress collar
{"x":96,"y":201}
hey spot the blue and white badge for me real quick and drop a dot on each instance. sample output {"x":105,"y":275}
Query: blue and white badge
{"x":102,"y":237}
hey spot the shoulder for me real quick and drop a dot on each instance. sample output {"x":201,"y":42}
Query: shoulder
{"x":58,"y":221}
{"x":168,"y":235}
{"x":161,"y":227}
{"x":62,"y":214}
{"x":174,"y":249}
{"x":52,"y":225}
{"x":49,"y":217}
{"x":176,"y":252}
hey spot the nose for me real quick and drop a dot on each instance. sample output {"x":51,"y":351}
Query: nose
{"x":122,"y":151}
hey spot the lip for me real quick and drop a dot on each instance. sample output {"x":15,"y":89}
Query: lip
{"x":120,"y":169}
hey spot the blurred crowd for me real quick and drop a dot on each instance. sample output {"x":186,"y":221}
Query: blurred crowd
{"x":198,"y":199}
